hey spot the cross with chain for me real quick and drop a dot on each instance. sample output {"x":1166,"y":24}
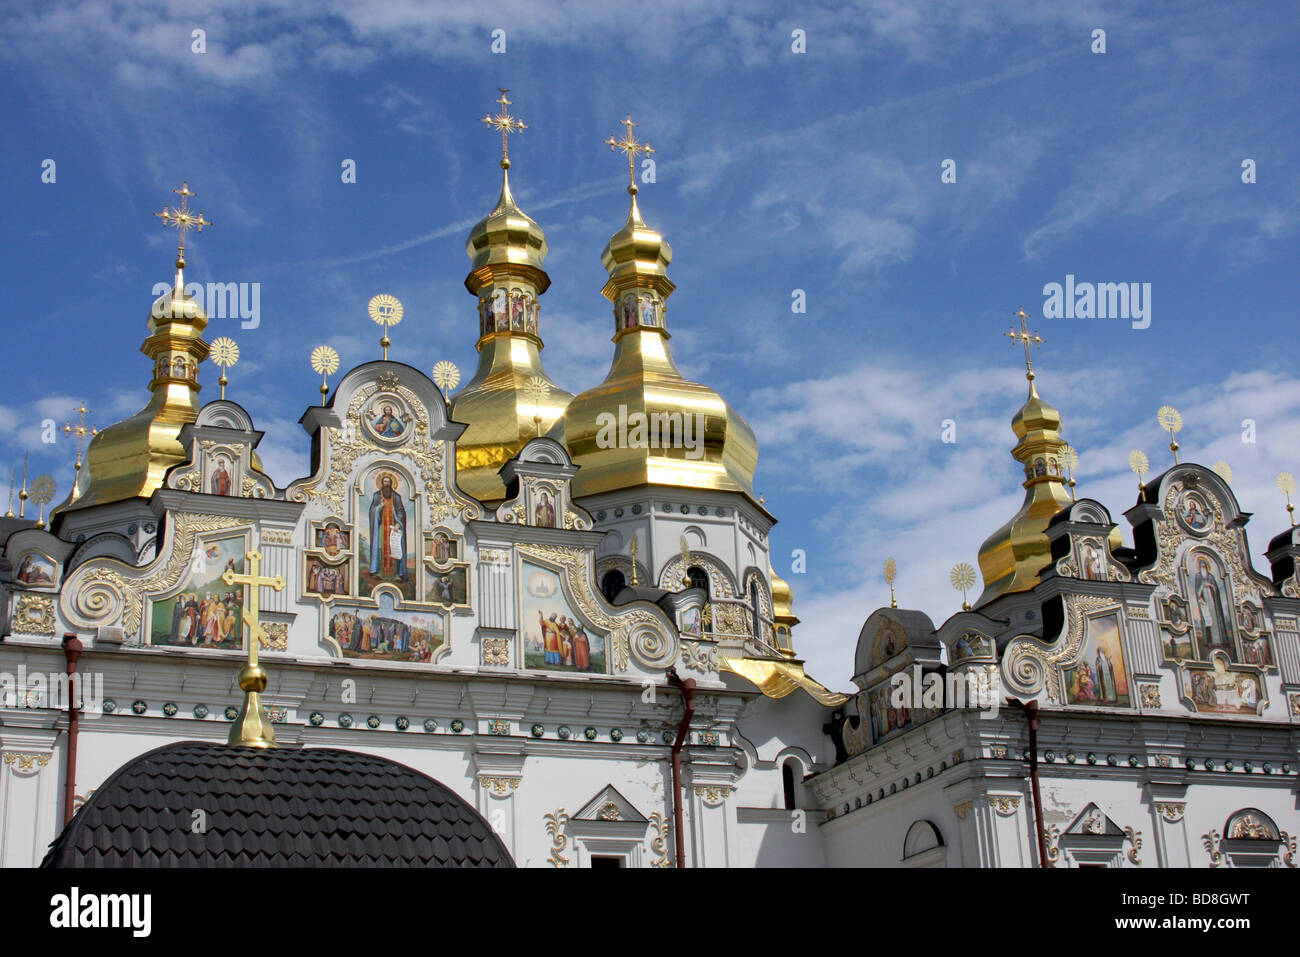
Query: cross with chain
{"x":1026,"y":339}
{"x":254,"y":579}
{"x":631,"y":147}
{"x":182,"y":218}
{"x":507,"y":124}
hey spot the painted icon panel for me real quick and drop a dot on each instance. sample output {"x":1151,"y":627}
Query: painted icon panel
{"x":1099,"y":679}
{"x":385,"y":522}
{"x":207,"y":613}
{"x":555,"y":636}
{"x":387,"y":633}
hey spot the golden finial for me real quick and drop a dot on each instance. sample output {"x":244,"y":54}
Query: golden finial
{"x":13,"y":475}
{"x":1286,"y":485}
{"x":1223,"y":470}
{"x":891,"y":570}
{"x":537,"y":391}
{"x":387,"y":311}
{"x":182,"y":219}
{"x":252,"y":728}
{"x":506,"y":124}
{"x":1069,"y":460}
{"x":445,"y":377}
{"x":1139,"y":463}
{"x":43,"y":489}
{"x":225,"y":353}
{"x":324,"y":362}
{"x":634,"y":582}
{"x":1025,"y":338}
{"x":631,"y":147}
{"x":80,"y":430}
{"x":22,"y":492}
{"x":686,"y":561}
{"x":962,"y":578}
{"x":1171,"y":422}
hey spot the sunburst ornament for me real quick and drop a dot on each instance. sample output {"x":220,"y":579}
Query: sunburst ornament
{"x":387,"y":311}
{"x":962,"y":578}
{"x":42,"y":493}
{"x":1172,"y":422}
{"x":891,"y":571}
{"x":537,"y":390}
{"x":324,"y":362}
{"x":446,"y":376}
{"x":1069,"y":460}
{"x":1139,"y":463}
{"x":224,"y":353}
{"x":1286,"y":485}
{"x":1223,"y":470}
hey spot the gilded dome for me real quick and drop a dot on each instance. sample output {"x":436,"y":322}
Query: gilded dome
{"x":506,"y":237}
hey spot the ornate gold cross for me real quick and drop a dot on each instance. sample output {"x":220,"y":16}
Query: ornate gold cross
{"x":631,"y":147}
{"x":252,"y":728}
{"x":506,"y":124}
{"x":80,"y":430}
{"x":254,"y":579}
{"x":1026,"y":339}
{"x":182,"y":218}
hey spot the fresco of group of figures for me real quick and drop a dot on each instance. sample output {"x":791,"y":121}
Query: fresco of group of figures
{"x":385,"y":632}
{"x":633,"y":310}
{"x":888,"y":717}
{"x":555,"y":637}
{"x":36,"y":570}
{"x":1099,"y":678}
{"x":206,"y":613}
{"x":513,"y":312}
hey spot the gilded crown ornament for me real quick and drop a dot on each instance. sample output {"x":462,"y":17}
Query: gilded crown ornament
{"x":43,"y":489}
{"x":1025,"y":338}
{"x":963,"y":578}
{"x":1286,"y":485}
{"x":1139,"y":463}
{"x":225,"y":353}
{"x":1223,"y":470}
{"x":891,"y":571}
{"x":1172,"y":422}
{"x":386,"y":311}
{"x":324,"y":362}
{"x":182,"y":219}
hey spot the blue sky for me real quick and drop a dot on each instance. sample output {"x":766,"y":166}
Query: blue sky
{"x":775,"y":171}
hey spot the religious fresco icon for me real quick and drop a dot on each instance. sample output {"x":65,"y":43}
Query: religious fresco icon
{"x":1206,"y":584}
{"x":450,"y":587}
{"x":1193,"y":513}
{"x":384,"y":557}
{"x":325,"y":579}
{"x":555,"y":636}
{"x":221,"y":481}
{"x":387,"y":633}
{"x":1222,"y":690}
{"x":333,"y":539}
{"x":207,"y":613}
{"x":387,"y":418}
{"x":35,"y":570}
{"x":444,"y":547}
{"x":1099,"y":679}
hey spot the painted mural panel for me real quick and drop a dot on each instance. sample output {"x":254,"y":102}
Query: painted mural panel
{"x":1222,"y":690}
{"x":449,"y":587}
{"x":207,"y":613}
{"x":555,"y":636}
{"x":35,"y":570}
{"x":387,"y":633}
{"x":1210,"y":600}
{"x":1099,"y":678}
{"x":384,"y":521}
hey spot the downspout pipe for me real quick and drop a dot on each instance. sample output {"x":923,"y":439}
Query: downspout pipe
{"x":72,"y":649}
{"x":1031,"y":717}
{"x":687,"y":689}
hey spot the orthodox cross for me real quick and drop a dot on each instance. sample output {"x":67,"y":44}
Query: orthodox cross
{"x":80,"y":430}
{"x":254,"y":579}
{"x":1026,"y":339}
{"x":631,"y":147}
{"x":182,"y":218}
{"x":506,"y":124}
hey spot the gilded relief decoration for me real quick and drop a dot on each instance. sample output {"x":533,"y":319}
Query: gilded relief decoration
{"x":106,"y":591}
{"x":672,"y":574}
{"x":559,"y":840}
{"x":712,"y":795}
{"x":659,"y":843}
{"x":1171,"y":811}
{"x":496,"y":651}
{"x":25,"y":763}
{"x":1090,"y":559}
{"x":33,"y":615}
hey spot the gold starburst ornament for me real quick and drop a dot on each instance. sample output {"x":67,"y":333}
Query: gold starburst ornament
{"x":224,"y":353}
{"x":1139,"y":463}
{"x":537,"y":391}
{"x":891,"y":572}
{"x":446,"y":376}
{"x":962,"y":578}
{"x":1172,"y":422}
{"x":42,"y":493}
{"x":1069,"y":461}
{"x":1286,"y":485}
{"x":1223,"y":470}
{"x":387,"y":311}
{"x":324,"y":362}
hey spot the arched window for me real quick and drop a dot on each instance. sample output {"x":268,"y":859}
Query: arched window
{"x":923,"y":837}
{"x":699,"y":578}
{"x":756,"y":621}
{"x":788,"y":770}
{"x":613,"y":583}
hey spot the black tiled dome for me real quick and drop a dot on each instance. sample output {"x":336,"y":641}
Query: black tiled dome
{"x":302,"y":806}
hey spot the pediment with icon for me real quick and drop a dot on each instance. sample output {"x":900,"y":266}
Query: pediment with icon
{"x":386,"y":553}
{"x":222,"y":461}
{"x":1083,"y":536}
{"x":537,"y":485}
{"x":892,"y":642}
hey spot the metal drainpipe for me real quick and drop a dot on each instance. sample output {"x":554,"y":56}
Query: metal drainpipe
{"x":72,"y":649}
{"x":687,"y":688}
{"x":1031,"y":717}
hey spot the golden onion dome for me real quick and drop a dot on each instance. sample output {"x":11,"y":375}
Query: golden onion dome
{"x":510,"y":399}
{"x":1012,"y":557}
{"x":647,"y":423}
{"x":130,"y":458}
{"x":783,"y":611}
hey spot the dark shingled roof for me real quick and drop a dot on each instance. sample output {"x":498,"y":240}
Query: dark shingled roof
{"x":308,"y":807}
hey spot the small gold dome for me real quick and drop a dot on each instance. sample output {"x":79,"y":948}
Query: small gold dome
{"x":636,"y":255}
{"x":506,"y":237}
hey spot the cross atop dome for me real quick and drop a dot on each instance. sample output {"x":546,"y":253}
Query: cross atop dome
{"x":629,"y":145}
{"x":506,"y":124}
{"x":182,"y":219}
{"x":1026,"y":339}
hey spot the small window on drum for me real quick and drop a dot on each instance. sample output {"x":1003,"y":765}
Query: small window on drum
{"x":787,"y":783}
{"x":756,"y":623}
{"x":613,"y":583}
{"x":699,"y":578}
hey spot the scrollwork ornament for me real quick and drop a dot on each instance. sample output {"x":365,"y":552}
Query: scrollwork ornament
{"x":1053,"y":845}
{"x":659,"y":843}
{"x":1134,"y":837}
{"x":699,"y":656}
{"x":1288,"y":848}
{"x":1030,"y":663}
{"x":559,"y":840}
{"x":33,"y":615}
{"x":1212,"y":842}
